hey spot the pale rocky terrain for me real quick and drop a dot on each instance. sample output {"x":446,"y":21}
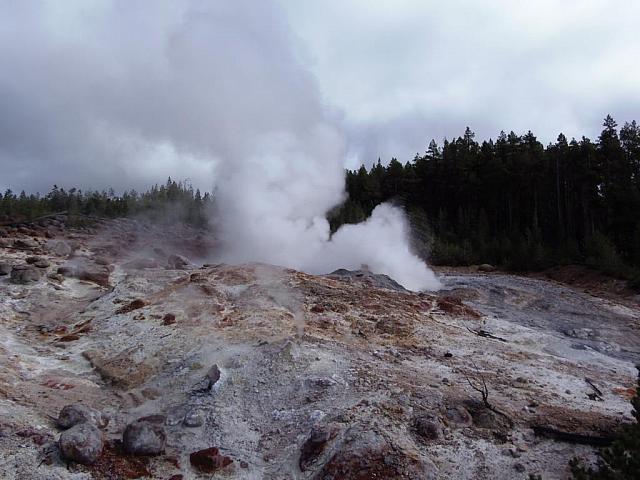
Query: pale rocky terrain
{"x":295,"y":376}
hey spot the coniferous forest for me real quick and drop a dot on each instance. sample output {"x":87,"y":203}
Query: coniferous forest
{"x":171,"y":202}
{"x":514,"y":202}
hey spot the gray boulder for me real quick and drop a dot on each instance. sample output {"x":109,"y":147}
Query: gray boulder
{"x":59,"y":248}
{"x":23,"y":274}
{"x":82,"y":443}
{"x":194,"y":418}
{"x":145,"y":436}
{"x":76,"y":413}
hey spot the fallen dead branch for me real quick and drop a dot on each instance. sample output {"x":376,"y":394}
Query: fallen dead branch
{"x":571,"y":437}
{"x":485,"y":334}
{"x":597,"y":394}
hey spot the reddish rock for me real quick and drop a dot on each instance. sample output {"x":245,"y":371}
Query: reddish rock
{"x":454,"y":306}
{"x":366,"y":454}
{"x":131,"y":306}
{"x":209,"y":460}
{"x":169,"y":319}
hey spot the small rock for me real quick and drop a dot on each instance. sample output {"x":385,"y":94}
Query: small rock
{"x":175,"y":416}
{"x":169,"y":319}
{"x":145,"y":436}
{"x":82,"y":443}
{"x":76,"y":413}
{"x":316,"y":416}
{"x":313,"y":447}
{"x":213,"y":375}
{"x":23,"y":274}
{"x":519,"y":468}
{"x":42,"y":263}
{"x":60,"y":248}
{"x":194,"y":418}
{"x":448,"y":355}
{"x":428,"y":428}
{"x":209,"y":460}
{"x":151,"y":393}
{"x":131,"y":306}
{"x":5,"y":269}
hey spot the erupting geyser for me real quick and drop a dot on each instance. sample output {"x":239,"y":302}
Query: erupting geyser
{"x":194,"y":90}
{"x":272,"y":209}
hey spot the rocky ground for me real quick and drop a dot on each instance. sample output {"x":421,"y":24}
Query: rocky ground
{"x":184,"y":370}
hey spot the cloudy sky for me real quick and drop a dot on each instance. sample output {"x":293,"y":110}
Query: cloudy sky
{"x":121,"y":93}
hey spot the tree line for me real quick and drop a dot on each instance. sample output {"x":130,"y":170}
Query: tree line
{"x":171,"y":202}
{"x":514,"y":202}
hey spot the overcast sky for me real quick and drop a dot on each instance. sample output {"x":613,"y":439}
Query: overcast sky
{"x":100,"y":93}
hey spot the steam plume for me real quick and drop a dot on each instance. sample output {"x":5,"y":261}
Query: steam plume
{"x":205,"y":90}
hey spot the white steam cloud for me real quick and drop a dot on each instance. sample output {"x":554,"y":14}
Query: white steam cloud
{"x":99,"y":93}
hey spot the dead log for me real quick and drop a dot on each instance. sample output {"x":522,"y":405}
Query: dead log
{"x":597,"y":395}
{"x":485,"y":334}
{"x":572,"y":437}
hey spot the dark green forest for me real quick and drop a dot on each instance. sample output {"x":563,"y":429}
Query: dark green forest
{"x":174,"y":201}
{"x":515,"y":203}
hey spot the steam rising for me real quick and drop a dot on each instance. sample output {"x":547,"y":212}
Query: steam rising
{"x":204,"y":90}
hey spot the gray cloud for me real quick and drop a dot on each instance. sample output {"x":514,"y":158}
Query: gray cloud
{"x":404,"y":72}
{"x":98,"y":93}
{"x":126,"y":93}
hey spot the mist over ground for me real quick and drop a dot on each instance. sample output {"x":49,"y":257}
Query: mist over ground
{"x":114,"y":93}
